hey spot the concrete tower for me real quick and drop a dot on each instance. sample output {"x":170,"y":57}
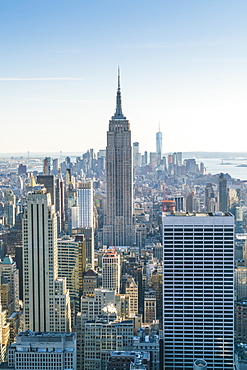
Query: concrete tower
{"x":46,"y":298}
{"x":118,"y":228}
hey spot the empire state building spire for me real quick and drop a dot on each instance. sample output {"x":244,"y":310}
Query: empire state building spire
{"x":118,"y":114}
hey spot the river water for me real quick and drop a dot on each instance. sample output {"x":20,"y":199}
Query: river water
{"x":227,"y":165}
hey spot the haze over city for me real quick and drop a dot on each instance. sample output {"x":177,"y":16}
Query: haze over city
{"x":183,"y":66}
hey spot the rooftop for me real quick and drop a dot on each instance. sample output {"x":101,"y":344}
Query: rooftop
{"x":29,"y":333}
{"x":90,"y":273}
{"x":199,"y":214}
{"x":7,"y":260}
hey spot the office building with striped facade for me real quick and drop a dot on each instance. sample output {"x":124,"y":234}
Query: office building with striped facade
{"x":198,"y":290}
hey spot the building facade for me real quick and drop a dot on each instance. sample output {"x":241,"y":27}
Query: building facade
{"x":198,"y":290}
{"x":9,"y":270}
{"x":149,"y":306}
{"x":136,"y":155}
{"x":101,"y":338}
{"x":90,"y":282}
{"x":54,"y":351}
{"x":149,"y":344}
{"x":40,"y":267}
{"x":130,"y":288}
{"x":118,"y":226}
{"x":85,"y":203}
{"x":223,"y":193}
{"x":126,"y":360}
{"x":111,"y":270}
{"x":72,"y":265}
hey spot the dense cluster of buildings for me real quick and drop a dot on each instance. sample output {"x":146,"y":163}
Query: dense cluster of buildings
{"x":122,"y":260}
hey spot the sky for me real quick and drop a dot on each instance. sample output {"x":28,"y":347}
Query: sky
{"x":183,"y":66}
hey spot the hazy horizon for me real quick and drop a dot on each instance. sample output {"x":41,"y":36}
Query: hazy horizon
{"x":197,"y":154}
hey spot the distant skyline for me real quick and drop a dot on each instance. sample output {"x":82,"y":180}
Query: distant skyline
{"x":183,"y":67}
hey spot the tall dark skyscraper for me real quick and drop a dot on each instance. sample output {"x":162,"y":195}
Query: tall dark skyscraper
{"x":49,"y":183}
{"x":118,"y":226}
{"x":223,"y":196}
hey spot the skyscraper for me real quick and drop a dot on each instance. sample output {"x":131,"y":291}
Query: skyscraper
{"x":9,"y":270}
{"x":10,"y":207}
{"x":86,"y":216}
{"x":59,"y":196}
{"x":118,"y":227}
{"x":47,"y":166}
{"x":46,"y":299}
{"x":223,"y":195}
{"x":210,"y":199}
{"x":198,"y":290}
{"x":136,"y":155}
{"x":85,"y":203}
{"x":158,"y":146}
{"x":49,"y":183}
{"x":72,"y":264}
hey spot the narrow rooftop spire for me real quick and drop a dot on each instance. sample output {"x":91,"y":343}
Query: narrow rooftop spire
{"x":118,"y":114}
{"x":118,"y":78}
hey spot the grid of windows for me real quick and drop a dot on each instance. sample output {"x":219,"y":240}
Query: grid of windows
{"x":85,"y":203}
{"x":198,"y":291}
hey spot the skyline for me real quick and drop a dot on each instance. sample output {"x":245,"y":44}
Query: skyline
{"x":182,"y":67}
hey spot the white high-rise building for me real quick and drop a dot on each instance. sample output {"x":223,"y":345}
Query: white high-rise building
{"x":46,"y":299}
{"x":198,"y":290}
{"x":85,"y":204}
{"x":111,"y":270}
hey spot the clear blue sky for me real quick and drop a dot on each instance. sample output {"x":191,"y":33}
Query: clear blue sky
{"x":183,"y":64}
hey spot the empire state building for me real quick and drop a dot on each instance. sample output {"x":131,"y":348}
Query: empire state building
{"x":118,"y":228}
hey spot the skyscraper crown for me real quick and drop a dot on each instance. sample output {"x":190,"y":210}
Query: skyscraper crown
{"x":118,"y":113}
